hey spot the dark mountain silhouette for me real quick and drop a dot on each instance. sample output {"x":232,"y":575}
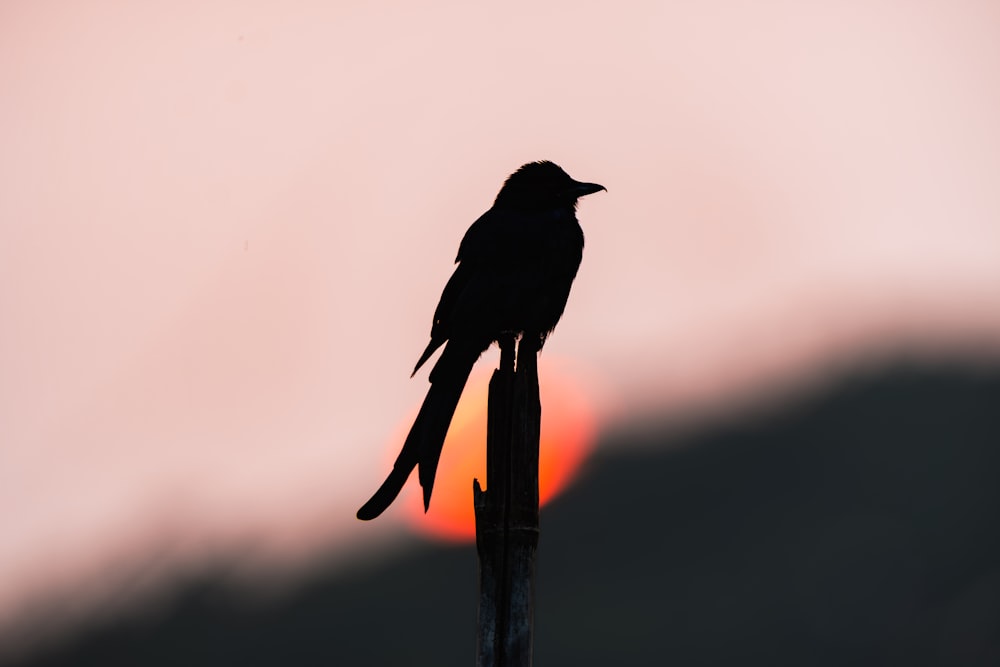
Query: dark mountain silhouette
{"x":857,"y":527}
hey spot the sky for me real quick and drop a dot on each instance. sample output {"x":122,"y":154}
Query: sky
{"x":224,"y":227}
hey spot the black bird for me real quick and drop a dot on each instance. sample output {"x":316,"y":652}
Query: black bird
{"x":516,"y":264}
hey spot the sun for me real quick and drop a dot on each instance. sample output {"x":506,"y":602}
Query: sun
{"x":567,"y":435}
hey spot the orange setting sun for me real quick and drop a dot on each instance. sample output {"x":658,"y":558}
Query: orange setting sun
{"x":568,"y":428}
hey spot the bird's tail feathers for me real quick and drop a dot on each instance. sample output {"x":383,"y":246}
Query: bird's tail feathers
{"x":448,"y":378}
{"x":428,"y":351}
{"x":386,"y":493}
{"x":426,"y":438}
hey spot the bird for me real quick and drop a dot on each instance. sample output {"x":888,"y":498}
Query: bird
{"x":513,"y":274}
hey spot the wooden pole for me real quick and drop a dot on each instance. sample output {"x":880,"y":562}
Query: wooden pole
{"x":507,"y":512}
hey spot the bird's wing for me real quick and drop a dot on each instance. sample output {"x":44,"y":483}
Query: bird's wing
{"x":440,"y":329}
{"x":493,"y":235}
{"x":487,"y":239}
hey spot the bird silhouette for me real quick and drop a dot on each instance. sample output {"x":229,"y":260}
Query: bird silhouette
{"x":515,"y":267}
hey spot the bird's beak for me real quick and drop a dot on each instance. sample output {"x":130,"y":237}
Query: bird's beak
{"x":580,"y":189}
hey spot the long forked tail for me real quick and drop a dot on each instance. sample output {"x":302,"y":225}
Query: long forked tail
{"x":426,"y":438}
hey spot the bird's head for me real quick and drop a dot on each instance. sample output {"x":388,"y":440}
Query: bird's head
{"x":541,"y":185}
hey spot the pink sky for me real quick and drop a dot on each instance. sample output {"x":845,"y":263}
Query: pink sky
{"x":224,"y":227}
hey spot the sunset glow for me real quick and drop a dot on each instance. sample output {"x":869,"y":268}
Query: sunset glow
{"x":568,"y":429}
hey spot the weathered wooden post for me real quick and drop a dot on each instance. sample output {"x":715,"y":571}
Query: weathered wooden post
{"x":507,"y":511}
